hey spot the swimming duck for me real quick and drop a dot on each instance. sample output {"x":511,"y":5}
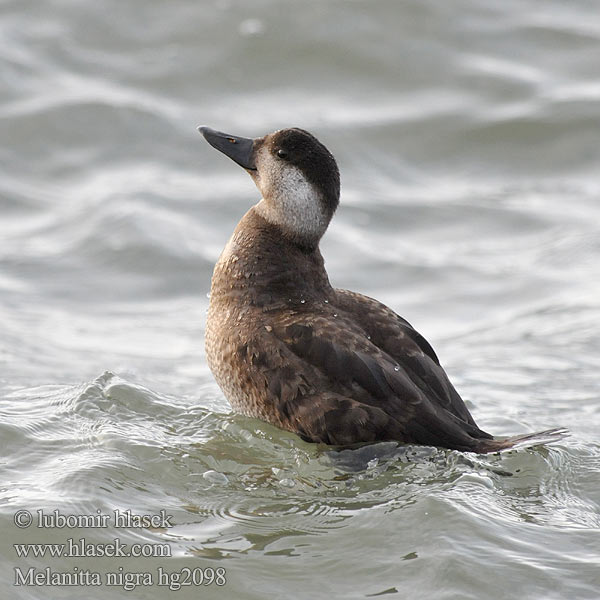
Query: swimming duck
{"x":331,"y":365}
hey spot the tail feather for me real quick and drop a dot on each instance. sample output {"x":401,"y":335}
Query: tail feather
{"x":529,"y":439}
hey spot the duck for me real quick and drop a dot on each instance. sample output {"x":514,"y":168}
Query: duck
{"x":331,"y":365}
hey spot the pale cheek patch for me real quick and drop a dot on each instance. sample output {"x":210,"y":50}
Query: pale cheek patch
{"x":290,"y":200}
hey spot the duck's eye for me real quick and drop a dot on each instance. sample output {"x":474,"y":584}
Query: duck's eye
{"x":282,"y":153}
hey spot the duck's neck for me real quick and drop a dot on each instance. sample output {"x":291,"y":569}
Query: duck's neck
{"x":265,"y":265}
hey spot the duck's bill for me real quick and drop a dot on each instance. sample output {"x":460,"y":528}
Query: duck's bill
{"x":239,"y":149}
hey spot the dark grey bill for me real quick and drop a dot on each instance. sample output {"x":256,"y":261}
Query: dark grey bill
{"x":239,"y":149}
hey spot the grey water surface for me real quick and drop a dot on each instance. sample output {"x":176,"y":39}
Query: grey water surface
{"x":468,"y":136}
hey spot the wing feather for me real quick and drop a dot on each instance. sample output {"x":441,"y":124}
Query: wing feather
{"x":346,"y":380}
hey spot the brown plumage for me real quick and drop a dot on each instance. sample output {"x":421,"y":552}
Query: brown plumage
{"x":331,"y":365}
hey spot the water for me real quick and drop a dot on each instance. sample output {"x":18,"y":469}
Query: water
{"x":467,"y":137}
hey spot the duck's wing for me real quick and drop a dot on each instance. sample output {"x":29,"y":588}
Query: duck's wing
{"x":398,"y":338}
{"x":329,"y":382}
{"x":388,"y":325}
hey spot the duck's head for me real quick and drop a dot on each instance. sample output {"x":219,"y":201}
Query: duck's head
{"x":296,"y":175}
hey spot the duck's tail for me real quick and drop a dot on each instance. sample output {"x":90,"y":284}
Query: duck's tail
{"x":529,"y":439}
